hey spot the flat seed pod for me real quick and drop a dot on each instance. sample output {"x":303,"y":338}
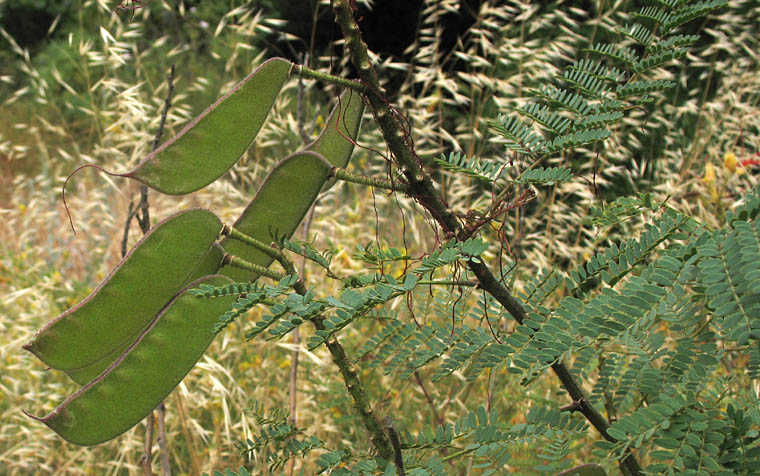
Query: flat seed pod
{"x":178,"y":248}
{"x":333,"y":143}
{"x":143,"y":375}
{"x":209,"y":145}
{"x":208,"y":266}
{"x":278,"y":208}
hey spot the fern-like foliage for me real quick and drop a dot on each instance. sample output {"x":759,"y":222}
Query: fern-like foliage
{"x":616,"y":261}
{"x":546,"y":176}
{"x":307,"y":250}
{"x":649,"y":381}
{"x":250,"y":294}
{"x":450,"y":253}
{"x":729,"y":268}
{"x":373,"y":255}
{"x":622,"y":209}
{"x":486,"y":171}
{"x":597,"y":90}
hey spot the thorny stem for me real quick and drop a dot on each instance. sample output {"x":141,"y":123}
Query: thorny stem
{"x":236,"y":262}
{"x":305,"y":72}
{"x":235,"y":234}
{"x":346,"y":176}
{"x":356,"y":390}
{"x":422,"y":190}
{"x":397,"y":455}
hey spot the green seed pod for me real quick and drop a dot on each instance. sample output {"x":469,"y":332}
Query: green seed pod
{"x":178,"y":248}
{"x":210,"y":265}
{"x":333,"y":143}
{"x":209,"y":145}
{"x":145,"y":374}
{"x":278,"y":208}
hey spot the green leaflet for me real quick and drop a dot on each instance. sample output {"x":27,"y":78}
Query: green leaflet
{"x":585,"y":470}
{"x":166,"y":258}
{"x":209,"y":265}
{"x":278,"y":208}
{"x":209,"y":145}
{"x":332,"y":143}
{"x":140,"y":379}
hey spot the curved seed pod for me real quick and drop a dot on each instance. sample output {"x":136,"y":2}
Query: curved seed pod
{"x":209,"y":145}
{"x":278,"y":207}
{"x":208,"y":266}
{"x":143,"y":375}
{"x":333,"y":143}
{"x":143,"y":282}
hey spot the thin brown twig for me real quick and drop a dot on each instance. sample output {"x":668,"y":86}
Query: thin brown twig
{"x":429,"y":398}
{"x":299,"y":109}
{"x":165,"y":466}
{"x":147,"y":457}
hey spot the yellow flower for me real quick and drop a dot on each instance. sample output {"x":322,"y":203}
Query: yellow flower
{"x":730,"y":162}
{"x":709,"y":177}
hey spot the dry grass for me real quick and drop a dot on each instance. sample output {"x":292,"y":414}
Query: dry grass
{"x":44,"y":269}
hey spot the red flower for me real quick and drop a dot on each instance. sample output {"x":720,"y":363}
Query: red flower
{"x":747,"y":162}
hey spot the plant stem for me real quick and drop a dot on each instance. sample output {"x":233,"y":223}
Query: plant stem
{"x":238,"y":235}
{"x":344,"y":175}
{"x":165,"y":466}
{"x":305,"y":72}
{"x":147,"y":457}
{"x":422,"y":190}
{"x":230,"y":260}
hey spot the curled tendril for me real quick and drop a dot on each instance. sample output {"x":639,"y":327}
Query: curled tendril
{"x":132,"y":6}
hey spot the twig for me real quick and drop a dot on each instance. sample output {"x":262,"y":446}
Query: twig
{"x":397,"y":456}
{"x":299,"y":109}
{"x":236,"y":262}
{"x":342,"y":174}
{"x":144,"y":218}
{"x":165,"y":467}
{"x":302,"y":70}
{"x":147,"y":457}
{"x":131,"y":212}
{"x":429,"y":399}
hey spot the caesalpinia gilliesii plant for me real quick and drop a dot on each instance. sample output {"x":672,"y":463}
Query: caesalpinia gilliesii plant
{"x":696,"y":283}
